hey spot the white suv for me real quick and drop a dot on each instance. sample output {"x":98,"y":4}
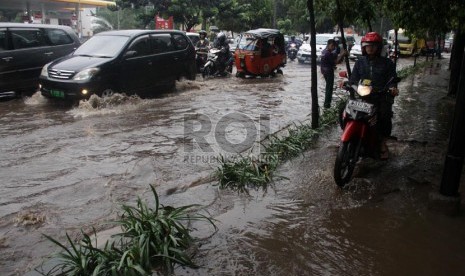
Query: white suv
{"x":304,"y":53}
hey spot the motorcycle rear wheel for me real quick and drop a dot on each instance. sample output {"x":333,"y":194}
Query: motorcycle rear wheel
{"x":345,"y":163}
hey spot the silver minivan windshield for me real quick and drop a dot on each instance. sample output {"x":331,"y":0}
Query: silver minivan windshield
{"x":102,"y":46}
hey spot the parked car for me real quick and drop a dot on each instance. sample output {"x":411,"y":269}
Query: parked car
{"x":25,"y":49}
{"x":350,"y":39}
{"x":304,"y":53}
{"x":356,"y":50}
{"x":321,"y":42}
{"x":194,"y":37}
{"x":129,"y":61}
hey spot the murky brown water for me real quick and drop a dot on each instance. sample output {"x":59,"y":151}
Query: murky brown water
{"x":72,"y":167}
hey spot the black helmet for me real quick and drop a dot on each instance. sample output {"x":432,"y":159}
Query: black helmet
{"x":203,"y":32}
{"x":221,"y":37}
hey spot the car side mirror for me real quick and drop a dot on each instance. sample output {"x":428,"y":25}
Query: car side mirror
{"x":130,"y":54}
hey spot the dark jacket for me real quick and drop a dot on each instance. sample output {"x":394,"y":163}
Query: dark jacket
{"x":379,"y":70}
{"x":202,"y":44}
{"x":328,"y":61}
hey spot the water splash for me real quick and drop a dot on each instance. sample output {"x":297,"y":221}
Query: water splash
{"x":35,"y":99}
{"x":115,"y":104}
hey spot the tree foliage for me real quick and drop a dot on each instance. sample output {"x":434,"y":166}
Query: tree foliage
{"x":292,"y":17}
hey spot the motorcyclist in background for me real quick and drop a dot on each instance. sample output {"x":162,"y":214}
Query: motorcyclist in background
{"x":203,"y":43}
{"x":295,"y":41}
{"x":224,"y":55}
{"x":376,"y":70}
{"x":202,"y":46}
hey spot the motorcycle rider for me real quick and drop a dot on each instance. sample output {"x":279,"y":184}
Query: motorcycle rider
{"x":376,"y":70}
{"x":292,"y":51}
{"x":202,"y":47}
{"x":224,"y":55}
{"x":203,"y":42}
{"x":293,"y":40}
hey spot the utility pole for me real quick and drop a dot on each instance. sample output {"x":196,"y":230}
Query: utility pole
{"x":118,"y":16}
{"x":455,"y":153}
{"x":80,"y":19}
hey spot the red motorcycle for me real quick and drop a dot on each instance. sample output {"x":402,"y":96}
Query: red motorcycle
{"x":358,"y":121}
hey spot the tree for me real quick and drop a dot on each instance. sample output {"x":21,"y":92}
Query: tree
{"x":147,"y":10}
{"x":340,"y":23}
{"x":257,"y":13}
{"x":106,"y":19}
{"x":10,"y":15}
{"x":231,"y":16}
{"x":314,"y":87}
{"x":285,"y":26}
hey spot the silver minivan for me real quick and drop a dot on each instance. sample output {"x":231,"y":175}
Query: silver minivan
{"x":25,"y":49}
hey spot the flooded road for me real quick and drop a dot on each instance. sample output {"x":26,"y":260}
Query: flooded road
{"x":70,"y":167}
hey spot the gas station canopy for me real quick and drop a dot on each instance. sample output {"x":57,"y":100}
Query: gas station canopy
{"x":60,"y":12}
{"x":57,"y":5}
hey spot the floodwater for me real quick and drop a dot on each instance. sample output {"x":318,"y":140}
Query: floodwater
{"x":67,"y":167}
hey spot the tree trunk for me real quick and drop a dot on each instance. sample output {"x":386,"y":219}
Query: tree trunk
{"x":456,"y":62}
{"x":396,"y":47}
{"x":204,"y":24}
{"x":341,"y":27}
{"x":314,"y":86}
{"x":455,"y":153}
{"x":370,"y":28}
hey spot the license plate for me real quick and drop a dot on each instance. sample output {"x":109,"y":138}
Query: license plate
{"x":57,"y":93}
{"x":360,"y":106}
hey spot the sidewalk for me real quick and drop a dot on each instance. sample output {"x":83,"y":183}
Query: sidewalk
{"x":423,"y":114}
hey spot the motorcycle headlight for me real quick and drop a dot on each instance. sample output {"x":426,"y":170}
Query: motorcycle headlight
{"x":364,"y":90}
{"x":44,"y":72}
{"x":86,"y":74}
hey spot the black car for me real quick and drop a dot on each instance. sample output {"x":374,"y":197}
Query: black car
{"x":129,"y":61}
{"x":25,"y":49}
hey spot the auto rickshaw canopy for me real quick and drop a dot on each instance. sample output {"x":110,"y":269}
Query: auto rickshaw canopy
{"x":264,"y":33}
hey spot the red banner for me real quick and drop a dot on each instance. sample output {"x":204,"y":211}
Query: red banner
{"x":161,"y":23}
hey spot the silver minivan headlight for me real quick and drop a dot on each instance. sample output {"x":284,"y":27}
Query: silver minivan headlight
{"x":86,"y":74}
